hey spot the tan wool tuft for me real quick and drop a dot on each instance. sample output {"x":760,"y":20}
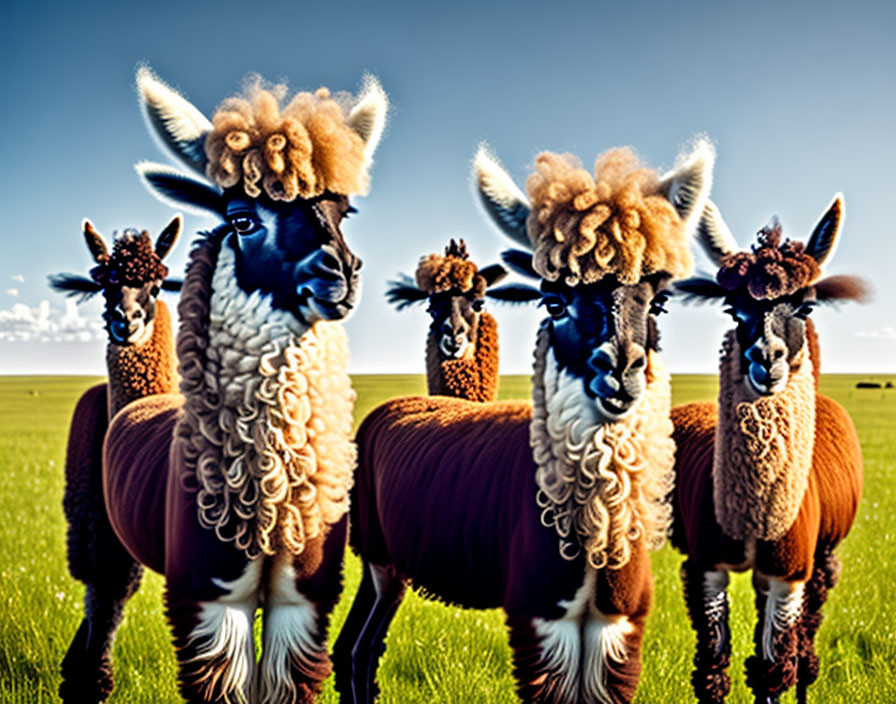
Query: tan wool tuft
{"x":475,"y":377}
{"x":603,"y":487}
{"x":266,"y":432}
{"x":299,"y":150}
{"x":763,"y":449}
{"x":437,"y":274}
{"x":583,"y":228}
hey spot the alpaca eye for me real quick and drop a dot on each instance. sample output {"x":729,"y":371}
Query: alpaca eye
{"x":657,"y":305}
{"x":477,"y":305}
{"x":154,"y":291}
{"x":555,"y":307}
{"x":243,"y":224}
{"x":804,"y":310}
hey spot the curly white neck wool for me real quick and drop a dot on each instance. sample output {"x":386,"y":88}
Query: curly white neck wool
{"x":763,"y":449}
{"x":276,"y":462}
{"x":602,"y":486}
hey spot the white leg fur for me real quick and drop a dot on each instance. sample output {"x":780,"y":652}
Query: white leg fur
{"x":583,"y":637}
{"x":290,"y":637}
{"x":715,"y":596}
{"x":783,"y":606}
{"x":226,"y":627}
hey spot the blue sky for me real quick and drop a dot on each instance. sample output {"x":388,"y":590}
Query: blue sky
{"x":799,"y":98}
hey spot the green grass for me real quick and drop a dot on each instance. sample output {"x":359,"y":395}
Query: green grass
{"x":435,"y":653}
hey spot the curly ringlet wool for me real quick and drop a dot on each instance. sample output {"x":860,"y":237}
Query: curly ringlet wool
{"x":133,"y":262}
{"x":144,"y":369}
{"x":763,"y":449}
{"x":771,"y":269}
{"x":297,"y":151}
{"x":583,"y":228}
{"x":602,"y":486}
{"x":474,"y":377}
{"x":267,"y":423}
{"x":437,"y":273}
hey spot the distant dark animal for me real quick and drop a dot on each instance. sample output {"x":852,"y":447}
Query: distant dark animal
{"x":547,"y":510}
{"x":236,"y":490}
{"x":770,"y":479}
{"x":140,"y":362}
{"x":462,"y":344}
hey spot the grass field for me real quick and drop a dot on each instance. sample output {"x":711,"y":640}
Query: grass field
{"x":435,"y":653}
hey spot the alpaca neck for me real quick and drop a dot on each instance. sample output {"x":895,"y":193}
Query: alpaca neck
{"x":143,"y":369}
{"x":474,"y":377}
{"x":763,"y":449}
{"x":274,"y":458}
{"x":602,"y":485}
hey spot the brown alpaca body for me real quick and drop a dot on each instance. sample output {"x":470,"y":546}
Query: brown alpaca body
{"x":801,"y":560}
{"x":475,"y":377}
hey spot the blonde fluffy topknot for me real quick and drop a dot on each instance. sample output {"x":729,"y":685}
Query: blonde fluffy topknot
{"x":438,"y":273}
{"x":299,"y":150}
{"x":585,"y":227}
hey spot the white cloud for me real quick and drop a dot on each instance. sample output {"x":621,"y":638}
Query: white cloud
{"x":12,"y":291}
{"x":885,"y":333}
{"x":18,"y":278}
{"x":44,"y":323}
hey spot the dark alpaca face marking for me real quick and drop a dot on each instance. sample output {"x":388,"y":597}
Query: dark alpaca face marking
{"x":601,"y":333}
{"x":130,"y":280}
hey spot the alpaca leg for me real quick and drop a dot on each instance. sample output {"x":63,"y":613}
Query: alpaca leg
{"x":351,"y":630}
{"x":371,"y":643}
{"x":706,"y":596}
{"x":611,"y":658}
{"x":773,"y":669}
{"x":825,"y":574}
{"x":213,"y":638}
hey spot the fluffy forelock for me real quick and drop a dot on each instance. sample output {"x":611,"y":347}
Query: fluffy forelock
{"x":133,"y":262}
{"x":297,"y":150}
{"x":585,"y":227}
{"x":453,"y":271}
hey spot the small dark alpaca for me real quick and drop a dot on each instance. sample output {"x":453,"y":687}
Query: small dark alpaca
{"x":236,"y":489}
{"x":462,"y":344}
{"x":770,"y":479}
{"x":140,"y":362}
{"x":545,"y":509}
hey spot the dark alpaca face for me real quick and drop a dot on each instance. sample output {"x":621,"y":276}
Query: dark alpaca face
{"x":455,"y":323}
{"x":601,"y":333}
{"x":130,"y":311}
{"x":295,"y":253}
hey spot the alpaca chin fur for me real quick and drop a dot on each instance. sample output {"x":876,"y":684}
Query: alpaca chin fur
{"x":267,"y":421}
{"x":145,"y":369}
{"x":763,"y":449}
{"x":584,"y":227}
{"x":474,"y":377}
{"x":602,"y":486}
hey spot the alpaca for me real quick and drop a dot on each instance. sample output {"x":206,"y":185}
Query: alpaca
{"x":770,"y":479}
{"x":140,"y":362}
{"x":545,"y":509}
{"x":462,"y":344}
{"x":236,"y":489}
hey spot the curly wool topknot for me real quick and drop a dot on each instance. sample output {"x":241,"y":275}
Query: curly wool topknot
{"x":771,"y":269}
{"x":584,"y":227}
{"x":452,"y":271}
{"x":298,"y":151}
{"x":133,"y":262}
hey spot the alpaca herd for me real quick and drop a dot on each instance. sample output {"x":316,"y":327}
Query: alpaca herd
{"x":226,"y":462}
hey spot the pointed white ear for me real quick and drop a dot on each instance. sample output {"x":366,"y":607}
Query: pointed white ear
{"x":368,"y":117}
{"x":175,"y":121}
{"x":714,"y":235}
{"x":688,"y":185}
{"x":507,"y":205}
{"x":824,"y":238}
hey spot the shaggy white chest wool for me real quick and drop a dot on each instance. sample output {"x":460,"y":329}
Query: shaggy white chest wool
{"x":763,"y":449}
{"x":275,"y":459}
{"x":603,"y":486}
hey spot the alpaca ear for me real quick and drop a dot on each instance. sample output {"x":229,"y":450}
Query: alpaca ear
{"x":168,"y":237}
{"x":368,"y":117}
{"x":94,"y":240}
{"x":520,"y":262}
{"x":74,"y":285}
{"x":173,"y":285}
{"x":493,"y":274}
{"x":687,"y":186}
{"x":514,"y":293}
{"x":180,"y":190}
{"x":500,"y":196}
{"x":698,"y":289}
{"x":714,"y":235}
{"x":179,"y":126}
{"x":826,"y":235}
{"x":403,"y":292}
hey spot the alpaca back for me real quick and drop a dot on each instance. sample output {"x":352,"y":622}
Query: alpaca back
{"x":474,"y":378}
